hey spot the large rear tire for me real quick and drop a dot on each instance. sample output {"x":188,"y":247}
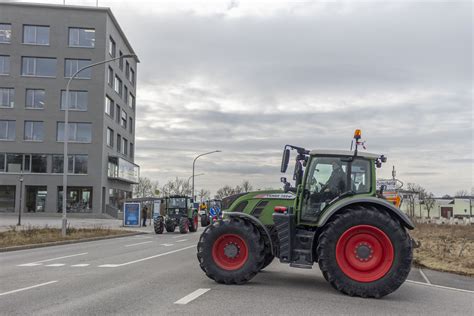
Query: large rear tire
{"x":158,"y":225}
{"x":194,"y":222}
{"x":184,"y":225}
{"x":231,"y":251}
{"x":365,"y":252}
{"x":170,"y":226}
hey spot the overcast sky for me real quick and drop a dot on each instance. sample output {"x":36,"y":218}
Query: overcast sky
{"x":247,"y":77}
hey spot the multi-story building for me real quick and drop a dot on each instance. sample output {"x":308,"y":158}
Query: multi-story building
{"x":41,"y":46}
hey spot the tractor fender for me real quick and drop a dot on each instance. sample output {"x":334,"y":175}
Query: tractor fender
{"x":394,"y":211}
{"x":255,"y":221}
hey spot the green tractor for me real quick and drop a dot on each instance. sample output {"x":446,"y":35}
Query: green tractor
{"x":179,"y":211}
{"x":333,"y":215}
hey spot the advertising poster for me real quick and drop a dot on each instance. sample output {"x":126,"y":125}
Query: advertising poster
{"x":156,"y":208}
{"x":131,"y":214}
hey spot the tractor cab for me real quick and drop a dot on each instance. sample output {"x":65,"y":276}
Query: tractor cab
{"x":179,"y":212}
{"x":178,"y":205}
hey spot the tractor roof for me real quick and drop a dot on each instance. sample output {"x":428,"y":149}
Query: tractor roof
{"x":335,"y":152}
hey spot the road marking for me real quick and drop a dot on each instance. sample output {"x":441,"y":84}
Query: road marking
{"x":29,"y":264}
{"x":27,"y":288}
{"x":439,"y":286}
{"x":37,"y":263}
{"x":424,"y":276}
{"x":179,"y":236}
{"x":140,"y":243}
{"x":55,"y":265}
{"x":190,"y":297}
{"x":144,"y":259}
{"x":80,"y":265}
{"x":142,"y":237}
{"x":181,"y":240}
{"x":167,"y":245}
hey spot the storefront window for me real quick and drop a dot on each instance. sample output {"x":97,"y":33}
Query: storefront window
{"x":79,"y":199}
{"x":36,"y":198}
{"x":7,"y":198}
{"x":117,"y":198}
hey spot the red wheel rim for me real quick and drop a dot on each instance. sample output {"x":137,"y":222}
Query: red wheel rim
{"x":230,"y":252}
{"x":195,"y":221}
{"x":364,"y":253}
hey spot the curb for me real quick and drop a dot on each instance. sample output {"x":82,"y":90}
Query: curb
{"x":65,"y":242}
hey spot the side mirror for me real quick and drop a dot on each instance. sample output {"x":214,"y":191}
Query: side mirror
{"x":284,"y":160}
{"x":283,"y":179}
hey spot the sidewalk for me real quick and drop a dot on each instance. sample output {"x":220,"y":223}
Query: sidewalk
{"x":8,"y":220}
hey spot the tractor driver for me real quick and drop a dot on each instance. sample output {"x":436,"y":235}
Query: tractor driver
{"x":336,"y":183}
{"x":203,"y":206}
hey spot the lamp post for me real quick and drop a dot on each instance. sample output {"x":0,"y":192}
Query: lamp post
{"x":66,"y":135}
{"x":194,"y":162}
{"x":21,"y":193}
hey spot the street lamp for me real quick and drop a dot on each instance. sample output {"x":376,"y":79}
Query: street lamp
{"x":21,"y":191}
{"x":194,"y":162}
{"x":66,"y":135}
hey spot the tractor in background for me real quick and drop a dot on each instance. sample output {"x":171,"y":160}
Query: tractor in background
{"x":211,"y":213}
{"x":332,"y":216}
{"x":179,"y":212}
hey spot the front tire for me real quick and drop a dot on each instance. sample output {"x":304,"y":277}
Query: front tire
{"x":183,"y":225}
{"x":158,"y":225}
{"x":231,"y":251}
{"x":204,"y":220}
{"x":170,"y":226}
{"x":365,"y":252}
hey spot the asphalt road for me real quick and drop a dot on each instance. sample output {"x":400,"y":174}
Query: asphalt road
{"x":160,"y":275}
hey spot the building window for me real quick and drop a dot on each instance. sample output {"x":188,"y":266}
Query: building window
{"x":7,"y":97}
{"x":79,"y":199}
{"x":110,"y":77}
{"x":7,"y":130}
{"x":119,"y":143}
{"x":78,"y":100}
{"x":111,"y":47}
{"x":73,"y":65}
{"x":34,"y":131}
{"x":117,"y":111}
{"x":39,"y":163}
{"x":35,"y":34}
{"x":124,"y":119}
{"x":132,"y":153}
{"x":109,"y":106}
{"x":130,"y":124}
{"x":121,"y":60}
{"x":4,"y":65}
{"x":38,"y":67}
{"x":35,"y":98}
{"x":8,"y":193}
{"x":81,"y":37}
{"x":5,"y":33}
{"x":110,"y":137}
{"x":132,"y":76}
{"x":124,"y":146}
{"x":14,"y":163}
{"x":58,"y":164}
{"x":131,"y":101}
{"x":127,"y":69}
{"x":125,"y":94}
{"x":78,"y":132}
{"x":118,"y":85}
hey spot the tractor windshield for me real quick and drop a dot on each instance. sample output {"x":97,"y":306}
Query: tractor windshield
{"x":177,"y":203}
{"x":327,"y":179}
{"x":214,"y":203}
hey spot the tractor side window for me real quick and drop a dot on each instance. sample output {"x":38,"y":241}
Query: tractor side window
{"x":327,"y":179}
{"x":360,"y":176}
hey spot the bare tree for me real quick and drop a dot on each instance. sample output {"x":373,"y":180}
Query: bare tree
{"x":145,"y":188}
{"x":414,"y":190}
{"x":429,"y":201}
{"x":176,"y":187}
{"x":246,"y":186}
{"x":226,"y":190}
{"x":461,"y":193}
{"x":204,"y":194}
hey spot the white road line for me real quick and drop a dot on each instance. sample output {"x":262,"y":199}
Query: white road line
{"x":181,"y":240}
{"x":27,"y":288}
{"x":140,"y":243}
{"x":80,"y":265}
{"x":144,"y":259}
{"x":55,"y":265}
{"x":167,"y":245}
{"x":141,"y":237}
{"x":37,"y":263}
{"x":179,"y":236}
{"x":190,"y":297}
{"x":32,"y":264}
{"x":439,"y":286}
{"x":424,"y":276}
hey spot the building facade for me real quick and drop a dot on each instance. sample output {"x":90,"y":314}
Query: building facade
{"x":41,"y":46}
